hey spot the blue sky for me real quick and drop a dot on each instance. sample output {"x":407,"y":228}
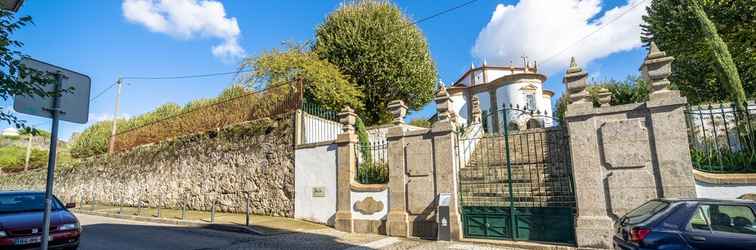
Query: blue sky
{"x":95,"y":38}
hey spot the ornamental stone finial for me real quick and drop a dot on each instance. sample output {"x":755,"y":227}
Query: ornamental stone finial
{"x":399,"y":110}
{"x":576,"y":80}
{"x":443,"y":103}
{"x":476,"y":112}
{"x":348,"y":118}
{"x":656,"y":68}
{"x":604,"y":97}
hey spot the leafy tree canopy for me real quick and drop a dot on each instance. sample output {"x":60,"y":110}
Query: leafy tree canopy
{"x":631,"y":90}
{"x":382,"y":52}
{"x":15,"y":79}
{"x":323,"y":82}
{"x":675,"y":29}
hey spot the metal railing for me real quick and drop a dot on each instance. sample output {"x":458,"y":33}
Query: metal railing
{"x":274,"y":100}
{"x":207,"y":208}
{"x":372,"y":162}
{"x":722,"y":138}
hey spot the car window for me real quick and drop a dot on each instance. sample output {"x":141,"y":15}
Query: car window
{"x":25,"y":202}
{"x":724,"y":218}
{"x":645,"y":211}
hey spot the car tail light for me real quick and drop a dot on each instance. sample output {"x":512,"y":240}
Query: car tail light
{"x":637,"y":234}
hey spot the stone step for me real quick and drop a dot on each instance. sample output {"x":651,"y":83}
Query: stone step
{"x":516,"y":177}
{"x":503,"y":187}
{"x":553,"y":201}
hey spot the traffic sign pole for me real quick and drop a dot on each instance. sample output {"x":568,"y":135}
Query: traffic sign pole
{"x":55,"y":111}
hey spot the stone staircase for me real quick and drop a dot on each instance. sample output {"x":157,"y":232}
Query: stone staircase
{"x":539,"y":166}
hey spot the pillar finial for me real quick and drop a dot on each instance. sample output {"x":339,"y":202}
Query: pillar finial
{"x":656,"y":68}
{"x":398,"y":110}
{"x":576,"y":80}
{"x":476,"y":112}
{"x":347,"y":118}
{"x":443,"y":103}
{"x":604,"y":97}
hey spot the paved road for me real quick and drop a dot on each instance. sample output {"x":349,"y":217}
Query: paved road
{"x":109,"y":233}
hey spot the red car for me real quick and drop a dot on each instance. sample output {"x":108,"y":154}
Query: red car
{"x":21,"y":219}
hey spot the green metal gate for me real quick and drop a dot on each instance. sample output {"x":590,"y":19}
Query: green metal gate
{"x":515,"y":178}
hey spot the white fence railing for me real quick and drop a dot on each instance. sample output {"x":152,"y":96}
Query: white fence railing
{"x":315,"y":129}
{"x":467,"y":143}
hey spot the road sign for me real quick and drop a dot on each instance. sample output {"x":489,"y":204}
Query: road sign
{"x":73,"y":105}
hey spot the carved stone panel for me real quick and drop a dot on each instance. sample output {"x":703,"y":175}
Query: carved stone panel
{"x":629,"y":188}
{"x":420,"y":158}
{"x":420,"y":195}
{"x":368,"y":206}
{"x":625,"y":143}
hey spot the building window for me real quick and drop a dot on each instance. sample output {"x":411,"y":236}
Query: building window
{"x":531,"y":105}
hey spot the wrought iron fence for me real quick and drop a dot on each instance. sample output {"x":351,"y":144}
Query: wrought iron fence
{"x":722,"y":138}
{"x":274,"y":100}
{"x":372,"y":162}
{"x":318,"y":124}
{"x":316,"y":110}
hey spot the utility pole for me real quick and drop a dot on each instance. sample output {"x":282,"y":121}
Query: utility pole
{"x":28,"y":152}
{"x":111,"y":147}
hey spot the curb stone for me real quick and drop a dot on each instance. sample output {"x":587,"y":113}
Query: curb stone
{"x":189,"y":223}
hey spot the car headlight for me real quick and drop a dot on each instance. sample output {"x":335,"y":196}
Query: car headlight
{"x":3,"y":234}
{"x":69,"y":226}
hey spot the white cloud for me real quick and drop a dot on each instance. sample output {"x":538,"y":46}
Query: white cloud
{"x":186,"y":19}
{"x":540,"y":29}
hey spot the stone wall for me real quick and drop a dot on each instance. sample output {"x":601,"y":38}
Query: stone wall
{"x":625,"y":155}
{"x":255,"y":158}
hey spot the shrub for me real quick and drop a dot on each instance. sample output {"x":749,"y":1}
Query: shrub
{"x":373,"y":173}
{"x":714,"y":160}
{"x":13,"y":159}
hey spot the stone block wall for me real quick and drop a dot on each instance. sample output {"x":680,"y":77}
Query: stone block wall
{"x":254,"y":158}
{"x":625,"y":155}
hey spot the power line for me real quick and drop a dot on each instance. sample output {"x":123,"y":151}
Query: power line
{"x":543,"y":62}
{"x":183,"y":76}
{"x":242,"y":70}
{"x":443,"y":12}
{"x":102,"y":92}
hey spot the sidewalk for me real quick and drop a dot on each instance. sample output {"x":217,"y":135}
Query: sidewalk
{"x":259,"y":224}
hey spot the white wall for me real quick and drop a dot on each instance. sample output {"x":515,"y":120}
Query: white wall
{"x":315,"y":167}
{"x":723,"y":191}
{"x":468,"y":142}
{"x":316,"y":129}
{"x":381,"y":196}
{"x":460,"y":107}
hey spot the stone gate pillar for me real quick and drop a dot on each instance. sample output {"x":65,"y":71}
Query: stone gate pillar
{"x":345,"y":170}
{"x":625,"y":155}
{"x":444,"y":158}
{"x":397,"y":222}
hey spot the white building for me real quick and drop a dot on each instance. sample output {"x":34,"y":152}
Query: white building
{"x":10,"y":131}
{"x":504,"y":85}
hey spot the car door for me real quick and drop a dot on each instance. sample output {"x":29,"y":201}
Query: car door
{"x":722,"y":226}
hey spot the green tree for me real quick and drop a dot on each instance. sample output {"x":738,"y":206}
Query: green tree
{"x":726,"y":69}
{"x":94,"y":139}
{"x":700,"y":69}
{"x":15,"y":79}
{"x":323,"y":82}
{"x":382,"y":52}
{"x":631,"y":90}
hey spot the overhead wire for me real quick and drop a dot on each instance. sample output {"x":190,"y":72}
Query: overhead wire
{"x":242,"y":70}
{"x":543,"y":62}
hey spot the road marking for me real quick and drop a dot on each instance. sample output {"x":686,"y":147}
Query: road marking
{"x":376,"y":244}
